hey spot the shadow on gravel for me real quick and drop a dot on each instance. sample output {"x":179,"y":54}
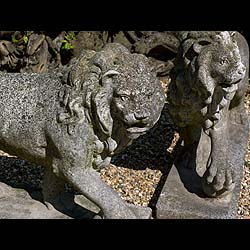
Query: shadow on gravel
{"x":150,"y":151}
{"x":19,"y":173}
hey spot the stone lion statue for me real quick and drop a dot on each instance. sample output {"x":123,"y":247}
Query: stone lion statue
{"x":73,"y":122}
{"x":209,"y":81}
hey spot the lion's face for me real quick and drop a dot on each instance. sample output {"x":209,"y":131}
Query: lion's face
{"x":226,"y":65}
{"x":223,"y":60}
{"x":123,"y":97}
{"x":209,"y":75}
{"x":221,"y":69}
{"x":135,"y":105}
{"x":138,"y":99}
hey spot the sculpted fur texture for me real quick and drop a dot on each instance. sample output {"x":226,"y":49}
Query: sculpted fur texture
{"x":74,"y":121}
{"x":209,"y":82}
{"x":119,"y":90}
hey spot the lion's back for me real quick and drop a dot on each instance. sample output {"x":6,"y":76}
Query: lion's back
{"x":26,"y":102}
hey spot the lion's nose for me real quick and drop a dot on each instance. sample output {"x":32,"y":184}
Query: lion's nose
{"x":142,"y":117}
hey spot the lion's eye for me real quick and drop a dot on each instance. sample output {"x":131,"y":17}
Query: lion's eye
{"x":124,"y":97}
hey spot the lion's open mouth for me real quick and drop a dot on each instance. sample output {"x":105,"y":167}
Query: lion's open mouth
{"x":230,"y":89}
{"x":224,"y":85}
{"x":135,"y":132}
{"x":236,"y":82}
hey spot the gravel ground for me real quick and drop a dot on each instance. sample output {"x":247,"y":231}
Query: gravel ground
{"x":244,"y":200}
{"x":138,"y":173}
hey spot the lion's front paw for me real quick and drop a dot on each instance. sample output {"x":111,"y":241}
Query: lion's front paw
{"x":217,"y":181}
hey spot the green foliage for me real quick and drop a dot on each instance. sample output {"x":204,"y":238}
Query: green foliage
{"x":66,"y":45}
{"x":14,"y":40}
{"x":25,"y":39}
{"x":67,"y":41}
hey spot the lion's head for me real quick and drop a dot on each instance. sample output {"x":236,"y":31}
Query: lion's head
{"x":207,"y":76}
{"x":123,"y":96}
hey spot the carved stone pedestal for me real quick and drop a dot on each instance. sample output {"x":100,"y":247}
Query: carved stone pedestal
{"x":177,"y":202}
{"x":182,"y":196}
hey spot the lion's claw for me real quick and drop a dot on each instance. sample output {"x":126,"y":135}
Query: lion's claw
{"x":217,"y":181}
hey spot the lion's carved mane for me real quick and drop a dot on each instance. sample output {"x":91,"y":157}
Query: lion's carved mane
{"x":74,"y":120}
{"x":94,"y":81}
{"x":200,"y":89}
{"x":208,"y":86}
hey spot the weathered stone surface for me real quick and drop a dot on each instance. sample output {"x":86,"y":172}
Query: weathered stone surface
{"x":18,"y":204}
{"x":182,"y":196}
{"x":206,"y":99}
{"x":207,"y":91}
{"x":177,"y":202}
{"x":73,"y":121}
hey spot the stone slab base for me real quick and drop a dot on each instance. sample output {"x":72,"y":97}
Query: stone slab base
{"x":177,"y":202}
{"x":17,"y":203}
{"x":182,"y":195}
